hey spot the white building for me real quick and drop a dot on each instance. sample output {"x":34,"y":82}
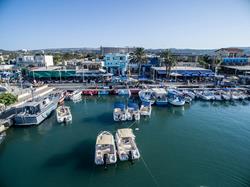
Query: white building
{"x":36,"y":60}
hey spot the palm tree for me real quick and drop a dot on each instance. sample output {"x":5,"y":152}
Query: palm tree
{"x":168,"y":60}
{"x":139,"y":57}
{"x":205,"y":61}
{"x":217,"y":63}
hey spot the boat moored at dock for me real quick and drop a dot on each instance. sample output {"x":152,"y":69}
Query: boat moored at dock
{"x":133,"y":111}
{"x":63,"y":114}
{"x":105,"y":150}
{"x":147,"y":96}
{"x":35,"y":112}
{"x":119,"y":112}
{"x":177,"y":100}
{"x":126,"y":146}
{"x":145,"y":109}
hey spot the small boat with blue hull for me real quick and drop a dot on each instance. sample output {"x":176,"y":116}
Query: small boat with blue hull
{"x":103,"y":92}
{"x":124,"y":92}
{"x":177,"y":100}
{"x":133,"y":111}
{"x":163,"y":101}
{"x":35,"y":112}
{"x":146,"y":109}
{"x":147,"y":96}
{"x":120,"y":112}
{"x":160,"y":96}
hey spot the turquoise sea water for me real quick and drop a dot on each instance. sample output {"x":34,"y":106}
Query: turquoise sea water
{"x":202,"y":144}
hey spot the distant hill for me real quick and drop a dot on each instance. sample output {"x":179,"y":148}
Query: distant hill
{"x":97,"y":50}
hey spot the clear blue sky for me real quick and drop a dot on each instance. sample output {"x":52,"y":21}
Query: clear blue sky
{"x":36,"y":24}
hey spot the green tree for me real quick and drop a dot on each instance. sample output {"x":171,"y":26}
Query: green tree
{"x":7,"y":99}
{"x":139,"y":57}
{"x":168,"y":60}
{"x":206,"y":61}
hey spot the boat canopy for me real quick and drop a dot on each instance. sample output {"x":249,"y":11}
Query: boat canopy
{"x":126,"y":133}
{"x":146,"y":103}
{"x":133,"y":105}
{"x":104,"y":139}
{"x":119,"y":105}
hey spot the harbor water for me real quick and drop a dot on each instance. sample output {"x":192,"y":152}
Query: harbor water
{"x":202,"y":144}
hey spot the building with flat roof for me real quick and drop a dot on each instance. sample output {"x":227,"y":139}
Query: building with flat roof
{"x":35,"y":60}
{"x":236,"y":70}
{"x":181,"y":71}
{"x":116,"y":63}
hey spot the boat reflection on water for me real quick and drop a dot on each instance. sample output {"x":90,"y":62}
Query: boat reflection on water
{"x":178,"y":111}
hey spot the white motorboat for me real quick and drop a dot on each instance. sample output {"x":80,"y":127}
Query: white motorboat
{"x":3,"y":128}
{"x":105,"y":150}
{"x":176,"y":101}
{"x":35,"y":112}
{"x":226,"y":96}
{"x":76,"y":95}
{"x":218,"y":96}
{"x":189,"y":94}
{"x":120,"y":112}
{"x":147,"y":96}
{"x":188,"y":99}
{"x":235,"y":96}
{"x":134,"y":112}
{"x":63,"y":114}
{"x":207,"y":96}
{"x":126,"y":146}
{"x":146,"y":109}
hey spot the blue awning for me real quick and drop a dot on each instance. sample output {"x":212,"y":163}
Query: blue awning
{"x":119,"y":105}
{"x":133,"y":105}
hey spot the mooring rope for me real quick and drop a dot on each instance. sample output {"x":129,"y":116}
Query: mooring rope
{"x":149,"y":171}
{"x":132,"y":124}
{"x":91,"y":176}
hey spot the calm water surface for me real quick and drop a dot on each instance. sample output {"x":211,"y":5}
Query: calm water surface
{"x":205,"y":144}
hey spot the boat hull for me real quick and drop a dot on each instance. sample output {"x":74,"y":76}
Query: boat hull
{"x":21,"y":120}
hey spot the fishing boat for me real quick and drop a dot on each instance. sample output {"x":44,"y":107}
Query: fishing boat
{"x":133,"y":110}
{"x":126,"y":146}
{"x":235,"y":95}
{"x":105,"y":150}
{"x":146,"y":109}
{"x":225,"y":96}
{"x":124,"y":92}
{"x":218,"y":96}
{"x":119,"y":112}
{"x":90,"y":92}
{"x":176,"y":100}
{"x":189,"y":94}
{"x":206,"y":95}
{"x":147,"y":96}
{"x":76,"y":95}
{"x":160,"y":96}
{"x":63,"y":114}
{"x":103,"y":92}
{"x":187,"y":99}
{"x":35,"y":112}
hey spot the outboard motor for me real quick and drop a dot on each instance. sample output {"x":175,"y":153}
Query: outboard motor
{"x":105,"y":157}
{"x":130,"y":157}
{"x":64,"y":120}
